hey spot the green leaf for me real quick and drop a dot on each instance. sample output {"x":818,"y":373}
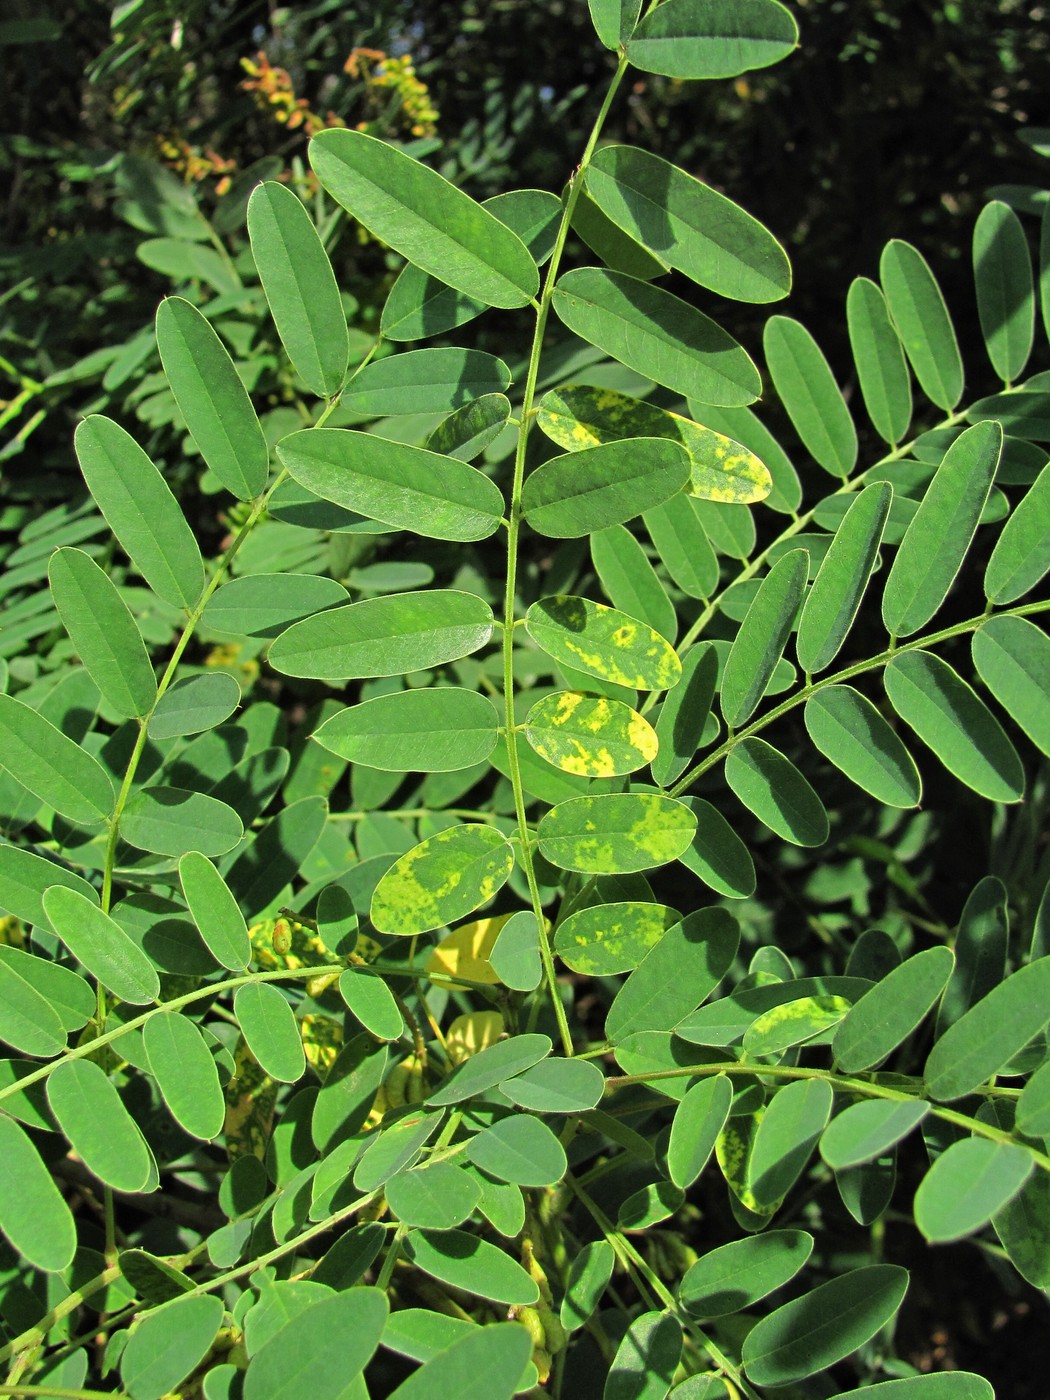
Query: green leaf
{"x":888,"y":1014}
{"x":1024,"y":416}
{"x":1021,"y":556}
{"x":300,"y":287}
{"x":372,"y":1003}
{"x":489,"y":1067}
{"x":646,"y":1359}
{"x":194,"y":704}
{"x":212,"y":399}
{"x":556,"y":1085}
{"x":33,"y":1214}
{"x":28,"y":1021}
{"x":166,"y":1345}
{"x":848,"y":729}
{"x":735,"y":1276}
{"x":763,"y":635}
{"x":688,"y":225}
{"x":922,"y":321}
{"x":1022,"y":1227}
{"x":276,"y":853}
{"x":1033,"y":1106}
{"x":572,"y":495}
{"x":520,"y":1149}
{"x":841,"y":581}
{"x":981,"y":943}
{"x":515,"y":956}
{"x":215,"y":912}
{"x":261,"y":605}
{"x":25,"y":876}
{"x":442,"y":879}
{"x":590,"y":735}
{"x":466,"y":433}
{"x":184,"y":261}
{"x":712,"y":38}
{"x":100,"y":1129}
{"x":630,"y":581}
{"x":101,"y":945}
{"x":589,"y":1275}
{"x":698,"y":1120}
{"x":820,"y":1328}
{"x":614,"y":248}
{"x":969,"y":1182}
{"x":726,"y":1021}
{"x":803,"y":379}
{"x":321,"y":1351}
{"x":948,"y":1385}
{"x":578,"y":416}
{"x":406,"y":487}
{"x":614,"y":20}
{"x":348,"y":1092}
{"x":676,"y":975}
{"x":935,"y":543}
{"x":271,"y":1030}
{"x":424,"y":381}
{"x":424,"y":218}
{"x":684,"y":714}
{"x":787,"y":1135}
{"x":657,"y":334}
{"x":52,"y":766}
{"x":986,"y":1037}
{"x":171,"y":821}
{"x":793,"y":1023}
{"x":869,"y":1129}
{"x":1012,"y":657}
{"x":486,"y":1363}
{"x":960,"y":729}
{"x":615,"y":833}
{"x":683,"y":547}
{"x":396,"y":1147}
{"x":770,"y":786}
{"x":186,"y":1075}
{"x":464,"y":1261}
{"x":103,"y":632}
{"x":140,"y":510}
{"x":440,"y":729}
{"x":879,"y":356}
{"x":603,"y":642}
{"x":420,"y":306}
{"x":436,"y":1197}
{"x":384,"y":636}
{"x":1002,"y":271}
{"x":716,"y":854}
{"x":610,"y":938}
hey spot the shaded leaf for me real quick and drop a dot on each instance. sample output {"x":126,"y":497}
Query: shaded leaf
{"x":464,"y":1261}
{"x":820,"y":1328}
{"x":879,"y":356}
{"x":1012,"y":657}
{"x":52,"y":766}
{"x":848,"y":729}
{"x":803,"y":379}
{"x":770,"y":786}
{"x":1002,"y":271}
{"x":737,"y":1275}
{"x":656,"y":334}
{"x":688,"y":225}
{"x":575,"y":494}
{"x":950,"y":719}
{"x":887,"y":1015}
{"x":763,"y":635}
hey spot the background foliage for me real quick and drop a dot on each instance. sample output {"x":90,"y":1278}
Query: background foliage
{"x":206,"y":1159}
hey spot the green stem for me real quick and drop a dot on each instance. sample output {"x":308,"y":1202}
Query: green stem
{"x":629,"y":1256}
{"x":871,"y":663}
{"x":866,"y":1088}
{"x":513,"y":533}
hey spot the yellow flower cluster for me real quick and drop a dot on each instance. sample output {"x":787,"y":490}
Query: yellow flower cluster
{"x":378,"y":70}
{"x":194,"y":164}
